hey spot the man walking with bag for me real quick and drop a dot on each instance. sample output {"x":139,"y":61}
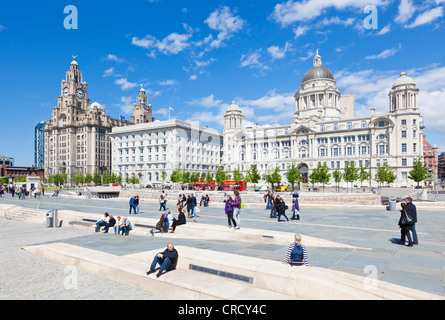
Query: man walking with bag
{"x":412,"y":212}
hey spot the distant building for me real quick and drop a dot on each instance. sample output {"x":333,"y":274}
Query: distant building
{"x":39,"y":145}
{"x":6,"y":161}
{"x":146,"y":150}
{"x":13,"y":172}
{"x":324,"y":129}
{"x":431,"y":158}
{"x":76,"y":140}
{"x":441,"y":166}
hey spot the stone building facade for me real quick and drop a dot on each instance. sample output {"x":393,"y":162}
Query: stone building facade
{"x":324,"y":129}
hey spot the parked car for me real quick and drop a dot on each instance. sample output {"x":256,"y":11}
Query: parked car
{"x":262,"y":188}
{"x":281,"y":189}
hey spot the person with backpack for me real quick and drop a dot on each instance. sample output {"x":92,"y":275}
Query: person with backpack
{"x":237,"y":209}
{"x":297,"y":253}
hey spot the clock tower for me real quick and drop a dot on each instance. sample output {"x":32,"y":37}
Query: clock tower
{"x":76,"y":136}
{"x":74,"y":91}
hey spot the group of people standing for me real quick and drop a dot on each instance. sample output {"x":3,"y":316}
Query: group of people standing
{"x":277,"y":206}
{"x":233,"y":210}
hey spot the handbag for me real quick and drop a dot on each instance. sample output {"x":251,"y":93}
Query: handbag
{"x":407,"y":220}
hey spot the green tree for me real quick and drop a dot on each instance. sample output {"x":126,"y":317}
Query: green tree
{"x":96,"y":178}
{"x":114,"y":178}
{"x":338,"y":176}
{"x":363,"y":175}
{"x":237,"y":176}
{"x":350,"y":173}
{"x":88,"y":178}
{"x":185,"y":177}
{"x":194,"y":177}
{"x":253,"y":175}
{"x":273,"y":176}
{"x":294,"y":175}
{"x":163,"y":175}
{"x":323,"y":176}
{"x":385,"y":174}
{"x":314,"y":176}
{"x":175,"y":176}
{"x":209,"y":177}
{"x":419,"y":172}
{"x":220,"y":176}
{"x":80,"y":179}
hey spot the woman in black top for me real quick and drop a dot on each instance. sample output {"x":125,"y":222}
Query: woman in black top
{"x":405,"y":226}
{"x":179,"y":221}
{"x":281,"y":208}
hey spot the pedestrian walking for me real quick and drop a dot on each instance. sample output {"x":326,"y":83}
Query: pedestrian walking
{"x":132,"y":205}
{"x":412,"y":212}
{"x":237,"y":209}
{"x":281,"y":208}
{"x":229,"y":212}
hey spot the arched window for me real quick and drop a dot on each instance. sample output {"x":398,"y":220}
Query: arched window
{"x":322,"y":128}
{"x":364,"y":125}
{"x":335,"y":126}
{"x":349,"y":125}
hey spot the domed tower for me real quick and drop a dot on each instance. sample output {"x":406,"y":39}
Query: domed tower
{"x":318,"y":95}
{"x":403,"y":95}
{"x":233,"y":119}
{"x":142,"y":110}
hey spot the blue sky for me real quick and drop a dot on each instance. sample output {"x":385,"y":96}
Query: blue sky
{"x":198,"y":56}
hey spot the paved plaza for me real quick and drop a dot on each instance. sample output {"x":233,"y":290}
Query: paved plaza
{"x":370,"y":231}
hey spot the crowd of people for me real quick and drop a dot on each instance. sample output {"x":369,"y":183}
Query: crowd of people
{"x":275,"y":203}
{"x":21,"y":192}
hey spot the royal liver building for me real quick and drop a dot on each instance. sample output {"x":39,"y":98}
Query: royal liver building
{"x":324,"y":129}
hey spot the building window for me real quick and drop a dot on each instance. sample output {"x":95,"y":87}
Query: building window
{"x":381,"y":123}
{"x":335,"y":126}
{"x":404,"y":176}
{"x":404,"y":163}
{"x":403,"y":122}
{"x":363,"y":124}
{"x":404,"y":147}
{"x":349,"y":125}
{"x":414,"y":147}
{"x":403,"y":133}
{"x":322,"y":128}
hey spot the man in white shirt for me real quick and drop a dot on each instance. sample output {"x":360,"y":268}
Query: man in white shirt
{"x":103,"y":221}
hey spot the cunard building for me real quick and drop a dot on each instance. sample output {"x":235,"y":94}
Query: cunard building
{"x":324,"y":129}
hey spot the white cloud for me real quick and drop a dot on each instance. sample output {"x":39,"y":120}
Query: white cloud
{"x":384,"y":30}
{"x":253,"y":61}
{"x":224,"y":21}
{"x":371,"y":87}
{"x":201,"y":64}
{"x":384,"y":54}
{"x":193,"y":77}
{"x":125,"y":84}
{"x":406,"y":11}
{"x":300,"y":31}
{"x":279,"y":53}
{"x":112,"y":57}
{"x":207,"y":102}
{"x":297,"y":11}
{"x":271,"y":101}
{"x":171,"y":82}
{"x":173,"y":44}
{"x":109,"y":72}
{"x":126,"y":105}
{"x":427,"y":17}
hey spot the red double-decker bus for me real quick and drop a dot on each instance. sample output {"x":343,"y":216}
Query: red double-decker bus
{"x":232,"y":185}
{"x":203,"y":186}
